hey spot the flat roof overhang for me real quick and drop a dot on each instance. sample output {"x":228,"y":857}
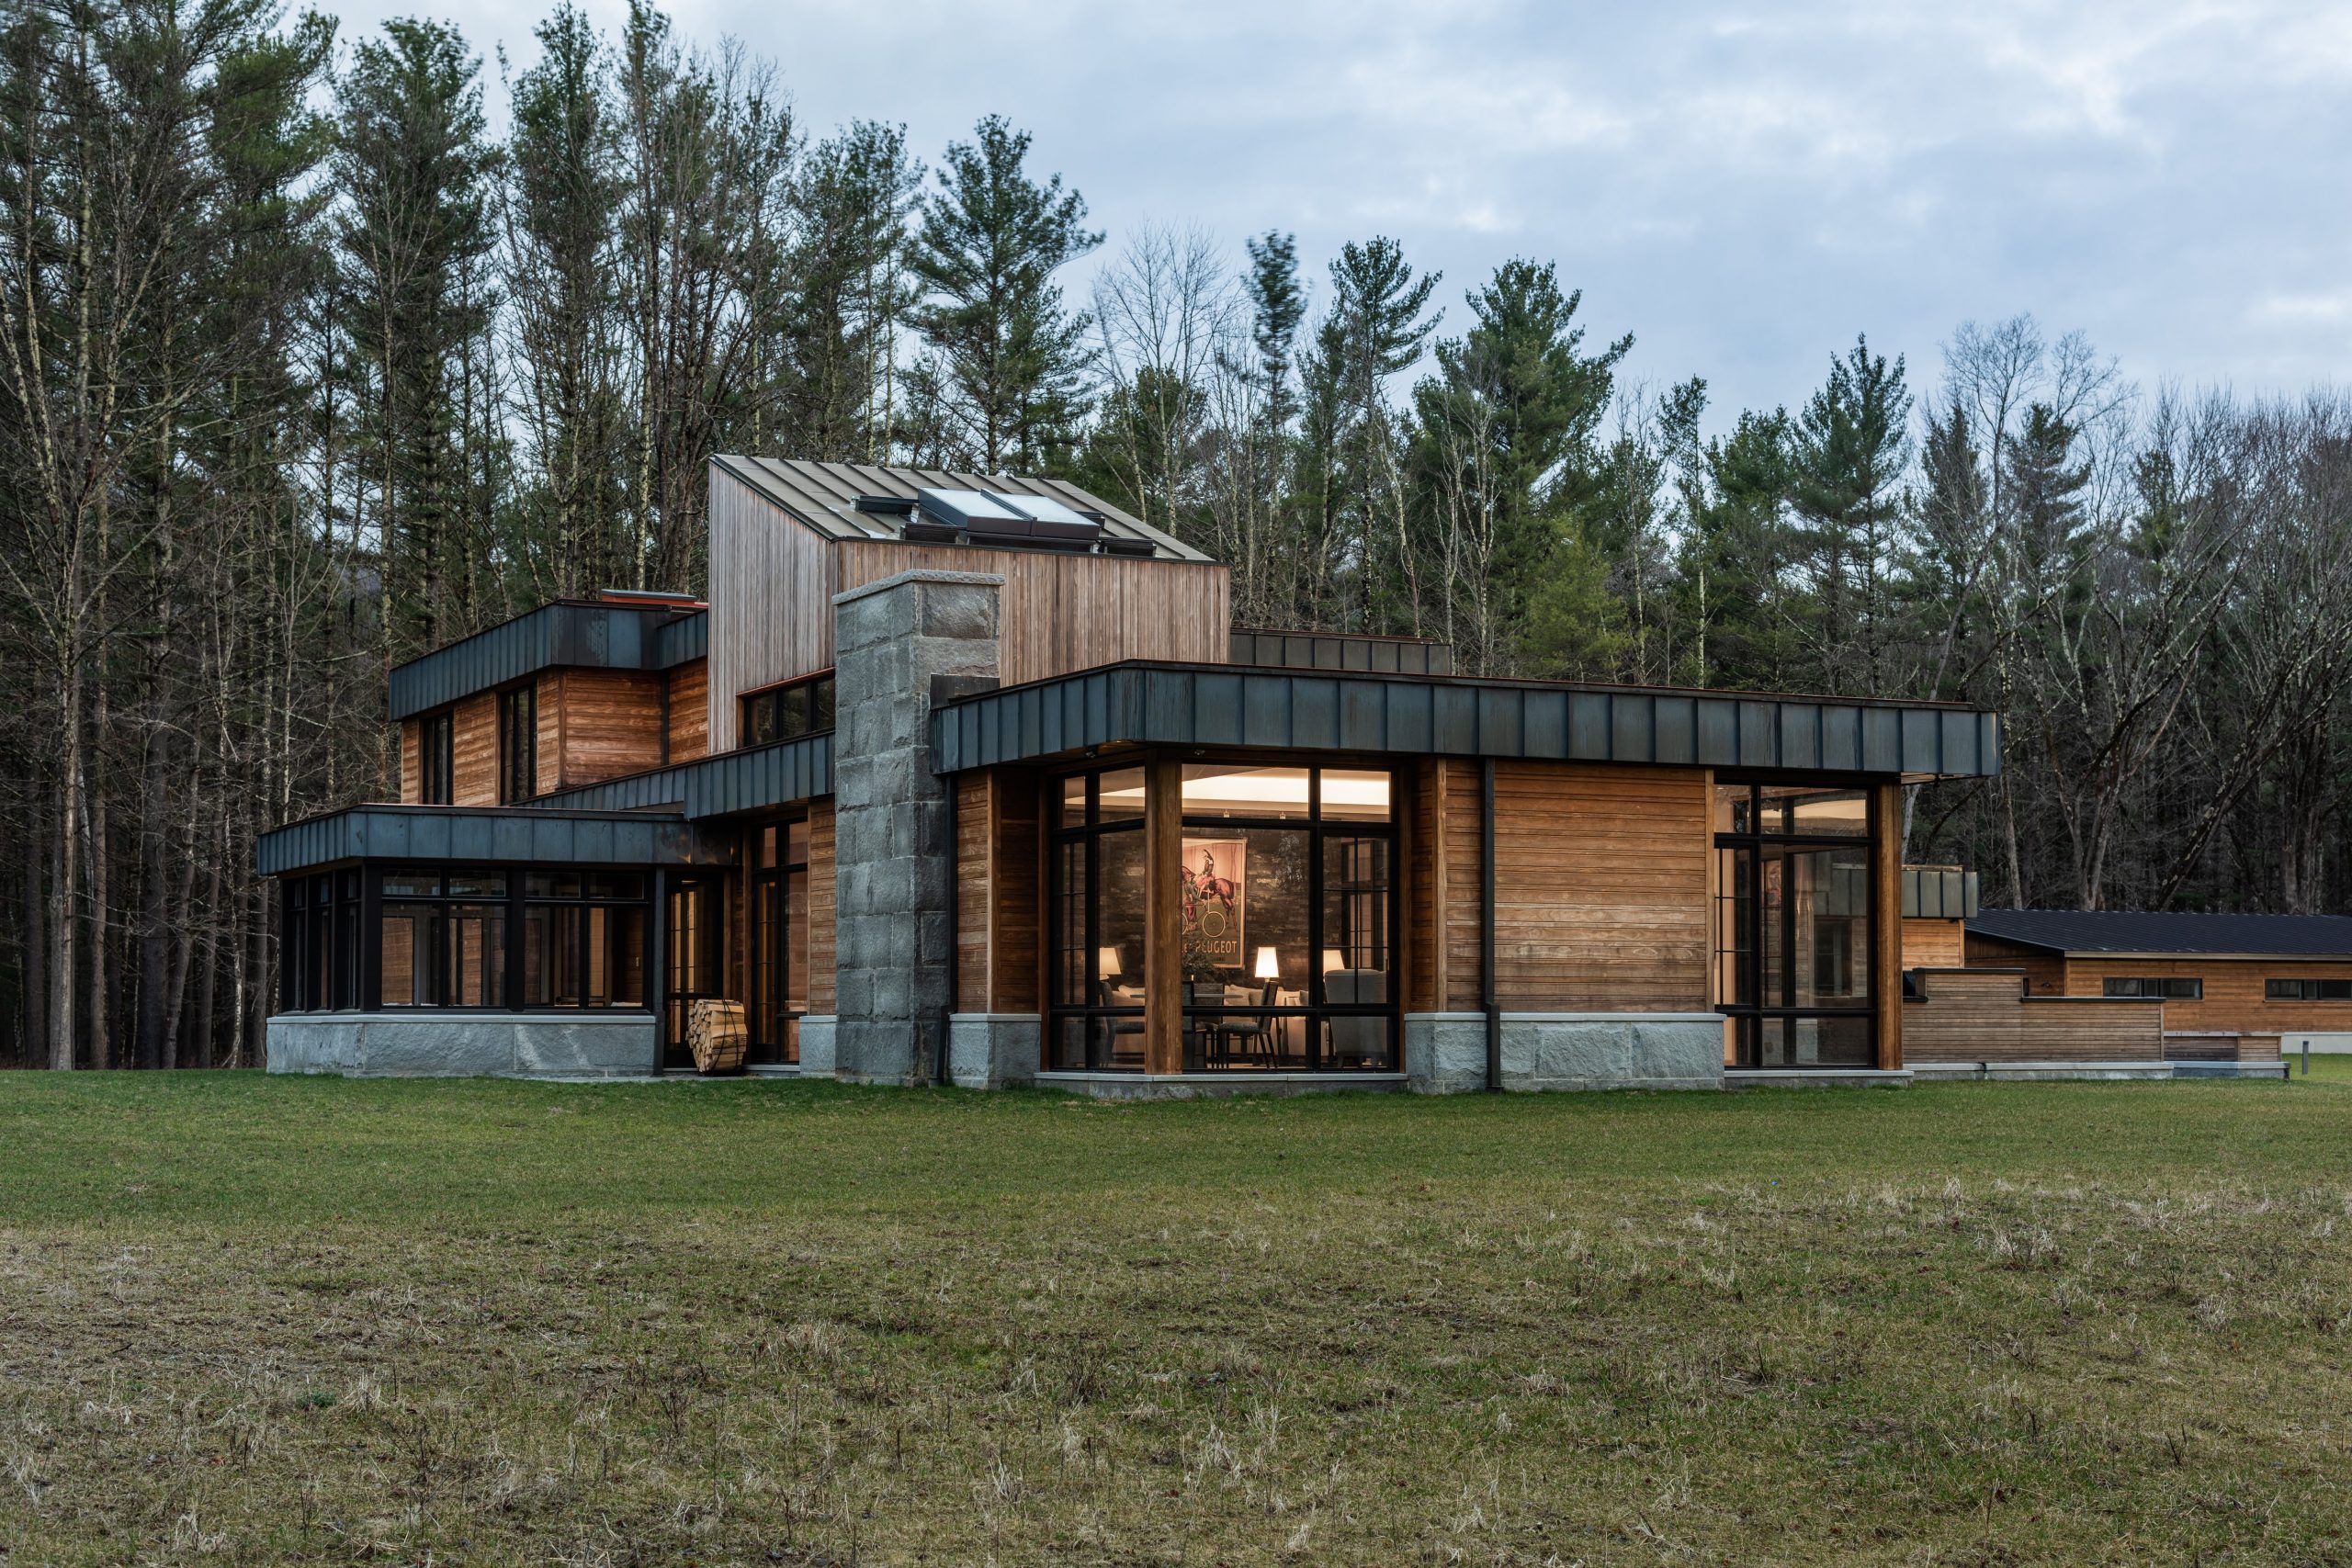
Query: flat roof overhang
{"x":1153,"y":703}
{"x":565,"y":633}
{"x":478,"y":835}
{"x":752,"y":778}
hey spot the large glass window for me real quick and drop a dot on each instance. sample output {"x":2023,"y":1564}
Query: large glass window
{"x":1284,"y":915}
{"x":1795,"y":906}
{"x":1095,"y":960}
{"x":318,"y":952}
{"x":498,"y":940}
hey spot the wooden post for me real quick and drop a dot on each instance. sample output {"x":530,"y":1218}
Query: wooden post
{"x":1886,"y":913}
{"x":1163,"y":947}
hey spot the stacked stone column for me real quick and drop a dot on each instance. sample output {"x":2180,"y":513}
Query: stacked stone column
{"x":894,"y":818}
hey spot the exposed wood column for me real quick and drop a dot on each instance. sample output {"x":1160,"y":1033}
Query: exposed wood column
{"x":1886,"y":912}
{"x":1163,"y":949}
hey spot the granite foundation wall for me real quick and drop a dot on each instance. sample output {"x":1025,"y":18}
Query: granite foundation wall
{"x":894,"y":825}
{"x":452,"y":1043}
{"x":1446,"y":1053}
{"x":993,"y":1050}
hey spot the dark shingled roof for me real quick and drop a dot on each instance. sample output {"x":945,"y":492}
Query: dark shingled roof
{"x":2119,"y":930}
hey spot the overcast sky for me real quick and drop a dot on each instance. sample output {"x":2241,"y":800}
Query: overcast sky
{"x":1743,"y":188}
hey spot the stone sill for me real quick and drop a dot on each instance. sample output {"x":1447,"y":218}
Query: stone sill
{"x":2011,"y":1069}
{"x":633,"y":1018}
{"x":1067,"y":1076}
{"x":1815,"y":1077}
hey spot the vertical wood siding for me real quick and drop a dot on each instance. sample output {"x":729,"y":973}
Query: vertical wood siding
{"x":999,"y":906}
{"x":772,"y":586}
{"x":547,"y":767}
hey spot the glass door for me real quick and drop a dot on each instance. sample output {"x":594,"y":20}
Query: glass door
{"x":694,"y":960}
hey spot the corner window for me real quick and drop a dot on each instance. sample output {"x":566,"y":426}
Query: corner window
{"x":787,"y":712}
{"x":2153,"y":988}
{"x":434,"y":771}
{"x":518,"y":744}
{"x":1795,"y":906}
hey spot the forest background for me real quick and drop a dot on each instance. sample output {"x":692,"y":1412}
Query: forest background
{"x":304,"y":370}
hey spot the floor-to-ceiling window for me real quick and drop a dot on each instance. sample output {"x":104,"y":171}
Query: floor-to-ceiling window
{"x":1794,"y":913}
{"x":694,"y":957}
{"x":779,"y":902}
{"x":1284,"y":909}
{"x":1094,"y":959}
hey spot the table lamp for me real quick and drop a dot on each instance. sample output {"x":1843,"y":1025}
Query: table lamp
{"x":1108,"y":960}
{"x":1333,"y":959}
{"x":1269,"y":967}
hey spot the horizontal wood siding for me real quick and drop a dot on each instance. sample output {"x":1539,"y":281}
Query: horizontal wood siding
{"x":473,"y":752}
{"x":772,"y":586}
{"x":611,"y":724}
{"x":1600,"y":888}
{"x":1933,"y":944}
{"x":2234,"y":986}
{"x":411,"y":764}
{"x":689,"y":711}
{"x":1059,"y":613}
{"x":820,"y":906}
{"x":1979,"y":1015}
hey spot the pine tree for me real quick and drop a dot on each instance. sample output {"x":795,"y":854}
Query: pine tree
{"x":851,"y":290}
{"x":1008,"y":359}
{"x":416,"y":174}
{"x":1853,"y":444}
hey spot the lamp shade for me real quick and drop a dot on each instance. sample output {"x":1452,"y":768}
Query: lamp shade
{"x":1108,"y":958}
{"x":1333,"y":959}
{"x":1269,"y":966}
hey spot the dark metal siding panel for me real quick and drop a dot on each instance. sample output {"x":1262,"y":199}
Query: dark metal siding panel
{"x":1882,"y":741}
{"x":1454,"y":721}
{"x":1589,"y":723}
{"x":1674,"y":730}
{"x":1544,"y":726}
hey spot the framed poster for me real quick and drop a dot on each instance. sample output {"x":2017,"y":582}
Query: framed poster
{"x":1210,"y":880}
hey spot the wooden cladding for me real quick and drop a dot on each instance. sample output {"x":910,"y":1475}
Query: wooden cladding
{"x":821,"y":882}
{"x":999,"y":906}
{"x":1600,"y":888}
{"x":473,"y":738}
{"x":773,"y":582}
{"x":2233,"y":1001}
{"x":1979,"y":1015}
{"x":412,"y":762}
{"x":1933,"y":944}
{"x":689,"y":712}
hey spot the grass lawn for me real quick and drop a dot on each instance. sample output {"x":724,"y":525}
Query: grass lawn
{"x":247,"y":1320}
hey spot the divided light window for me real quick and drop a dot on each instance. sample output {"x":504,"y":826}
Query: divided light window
{"x":435,"y":772}
{"x":1795,"y":906}
{"x":2307,"y":990}
{"x":2153,"y":989}
{"x":788,"y":712}
{"x":518,"y":744}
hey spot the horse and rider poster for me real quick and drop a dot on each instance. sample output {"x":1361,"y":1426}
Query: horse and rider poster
{"x":1212,"y":890}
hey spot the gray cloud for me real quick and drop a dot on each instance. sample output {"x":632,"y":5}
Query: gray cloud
{"x":1742,"y":187}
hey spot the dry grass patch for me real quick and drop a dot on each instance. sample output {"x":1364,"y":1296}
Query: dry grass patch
{"x":259,"y":1322}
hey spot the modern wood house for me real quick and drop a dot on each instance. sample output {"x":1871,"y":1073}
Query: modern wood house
{"x":970,"y":778}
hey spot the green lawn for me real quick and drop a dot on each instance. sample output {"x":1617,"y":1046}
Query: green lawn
{"x":247,"y":1321}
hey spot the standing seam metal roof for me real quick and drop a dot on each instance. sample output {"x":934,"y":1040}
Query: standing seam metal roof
{"x":824,"y":496}
{"x":2125,"y":930}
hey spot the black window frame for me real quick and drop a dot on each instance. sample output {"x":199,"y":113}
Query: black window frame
{"x":320,"y":916}
{"x":2307,"y":988}
{"x":1748,"y":949}
{"x":2153,"y":987}
{"x":1319,"y":832}
{"x":518,"y":743}
{"x":776,"y":939}
{"x":526,"y":899}
{"x":436,"y":782}
{"x":765,"y":716}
